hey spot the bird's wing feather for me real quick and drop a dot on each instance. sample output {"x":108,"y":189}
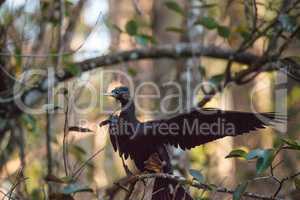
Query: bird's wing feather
{"x":202,"y":126}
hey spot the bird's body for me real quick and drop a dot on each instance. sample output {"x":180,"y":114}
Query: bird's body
{"x":145,"y":143}
{"x":129,"y":136}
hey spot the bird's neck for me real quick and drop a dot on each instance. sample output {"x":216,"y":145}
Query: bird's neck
{"x":128,"y":109}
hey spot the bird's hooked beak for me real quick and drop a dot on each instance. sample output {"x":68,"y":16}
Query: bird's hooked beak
{"x":110,"y":94}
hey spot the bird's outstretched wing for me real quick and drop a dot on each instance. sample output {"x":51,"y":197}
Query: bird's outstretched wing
{"x":202,"y":126}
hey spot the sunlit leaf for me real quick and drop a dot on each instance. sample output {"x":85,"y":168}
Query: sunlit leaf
{"x":172,"y":5}
{"x":292,"y":144}
{"x":294,"y":97}
{"x":131,"y":27}
{"x":67,"y":179}
{"x":202,"y":198}
{"x":197,"y":175}
{"x":237,"y":153}
{"x":277,"y":143}
{"x":239,"y":191}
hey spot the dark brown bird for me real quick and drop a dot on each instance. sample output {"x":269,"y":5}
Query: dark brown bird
{"x":146,"y":142}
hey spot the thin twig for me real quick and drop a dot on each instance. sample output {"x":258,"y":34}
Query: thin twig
{"x":78,"y":171}
{"x":66,"y":131}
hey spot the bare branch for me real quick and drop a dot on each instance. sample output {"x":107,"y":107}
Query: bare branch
{"x":176,"y":51}
{"x":69,"y":33}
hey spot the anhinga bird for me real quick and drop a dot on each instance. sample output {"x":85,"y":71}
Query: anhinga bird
{"x":145,"y":142}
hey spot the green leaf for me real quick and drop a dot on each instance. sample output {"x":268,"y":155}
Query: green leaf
{"x":144,"y":39}
{"x":197,"y":175}
{"x":295,"y":59}
{"x":30,"y":122}
{"x":5,"y":143}
{"x":212,"y":187}
{"x":223,"y":31}
{"x":18,"y":52}
{"x":297,"y":183}
{"x":292,"y":144}
{"x":287,"y":22}
{"x":202,"y":70}
{"x":237,"y":153}
{"x":256,"y":153}
{"x":75,"y":188}
{"x":70,"y":2}
{"x":264,"y":158}
{"x":3,"y":123}
{"x":55,"y":179}
{"x":131,"y":27}
{"x":78,"y":152}
{"x":172,"y":5}
{"x":202,"y":198}
{"x":265,"y":161}
{"x":175,"y":29}
{"x":208,"y":22}
{"x":277,"y":143}
{"x":132,"y":72}
{"x":245,"y":35}
{"x":67,"y":179}
{"x":73,"y":69}
{"x":216,"y":79}
{"x":239,"y":191}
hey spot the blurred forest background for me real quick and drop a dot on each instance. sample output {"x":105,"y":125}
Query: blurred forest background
{"x":237,"y":45}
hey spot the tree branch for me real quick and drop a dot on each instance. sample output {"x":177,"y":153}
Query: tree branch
{"x":176,"y":51}
{"x":183,"y":181}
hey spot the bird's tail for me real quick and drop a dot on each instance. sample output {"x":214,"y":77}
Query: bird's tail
{"x":165,"y":189}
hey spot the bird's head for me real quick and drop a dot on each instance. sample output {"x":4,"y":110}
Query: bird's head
{"x":121,"y":94}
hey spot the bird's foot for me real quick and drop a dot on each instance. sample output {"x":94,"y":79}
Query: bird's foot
{"x":154,"y":164}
